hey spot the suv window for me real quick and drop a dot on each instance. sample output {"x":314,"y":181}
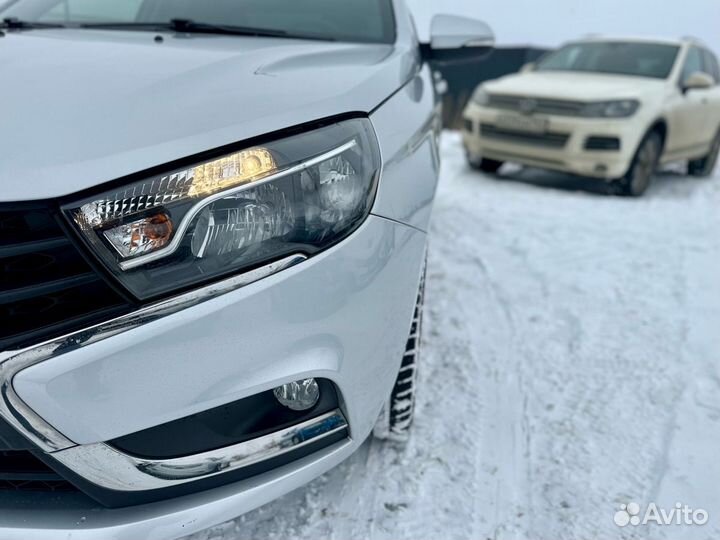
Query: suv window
{"x":693,"y":63}
{"x":638,"y":59}
{"x":711,"y":65}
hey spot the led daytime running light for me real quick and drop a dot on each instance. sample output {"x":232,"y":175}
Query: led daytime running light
{"x":225,"y":173}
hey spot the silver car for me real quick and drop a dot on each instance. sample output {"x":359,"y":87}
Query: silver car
{"x":213,"y":224}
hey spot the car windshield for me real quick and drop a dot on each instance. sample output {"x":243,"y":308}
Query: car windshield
{"x":341,"y":20}
{"x":654,"y":60}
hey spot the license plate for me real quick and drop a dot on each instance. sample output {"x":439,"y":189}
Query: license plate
{"x":516,"y":122}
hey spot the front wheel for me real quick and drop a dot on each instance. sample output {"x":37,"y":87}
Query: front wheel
{"x":705,"y":166}
{"x":643,"y":166}
{"x":398,"y":413}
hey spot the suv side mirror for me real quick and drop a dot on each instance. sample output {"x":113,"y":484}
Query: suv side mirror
{"x":458,"y":39}
{"x":698,"y":81}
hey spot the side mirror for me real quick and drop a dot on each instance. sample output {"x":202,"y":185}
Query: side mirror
{"x":698,"y":81}
{"x":458,"y":39}
{"x":527,"y":68}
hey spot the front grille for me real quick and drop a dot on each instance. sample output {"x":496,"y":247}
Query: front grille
{"x":46,"y":286}
{"x":530,"y":105}
{"x":22,"y":471}
{"x":547,"y":140}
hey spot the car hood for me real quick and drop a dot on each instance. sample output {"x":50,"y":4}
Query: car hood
{"x":83,"y":107}
{"x":574,"y":86}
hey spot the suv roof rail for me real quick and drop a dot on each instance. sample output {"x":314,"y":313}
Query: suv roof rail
{"x":693,"y":39}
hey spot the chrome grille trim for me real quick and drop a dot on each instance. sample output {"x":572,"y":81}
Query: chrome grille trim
{"x":532,"y":105}
{"x":27,"y":422}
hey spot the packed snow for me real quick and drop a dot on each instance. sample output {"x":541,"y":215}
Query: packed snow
{"x":571,"y":364}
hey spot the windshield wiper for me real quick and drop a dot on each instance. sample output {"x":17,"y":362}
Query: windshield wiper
{"x":191,"y":27}
{"x":13,"y":23}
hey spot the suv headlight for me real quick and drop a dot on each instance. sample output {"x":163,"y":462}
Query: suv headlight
{"x":240,"y":210}
{"x":480,"y":96}
{"x":623,"y":108}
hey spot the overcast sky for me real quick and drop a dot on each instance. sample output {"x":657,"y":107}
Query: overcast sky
{"x":549,"y":22}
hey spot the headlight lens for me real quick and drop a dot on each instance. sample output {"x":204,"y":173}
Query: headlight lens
{"x":296,"y":195}
{"x":611,"y":109}
{"x":480,"y":96}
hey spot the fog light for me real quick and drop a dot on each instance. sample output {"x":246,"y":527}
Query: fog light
{"x":298,"y":395}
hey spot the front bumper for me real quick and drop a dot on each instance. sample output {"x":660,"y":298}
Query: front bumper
{"x":343,"y":315}
{"x":571,"y":156}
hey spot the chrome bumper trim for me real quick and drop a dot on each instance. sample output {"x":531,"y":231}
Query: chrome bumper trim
{"x":112,"y":469}
{"x":19,"y":415}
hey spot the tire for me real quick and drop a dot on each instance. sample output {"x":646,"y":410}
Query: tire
{"x":704,"y":167}
{"x":643,"y":167}
{"x":398,"y":413}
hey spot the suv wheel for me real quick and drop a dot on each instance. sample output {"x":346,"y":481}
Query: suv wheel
{"x":705,"y":166}
{"x":643,"y":166}
{"x":397,"y":416}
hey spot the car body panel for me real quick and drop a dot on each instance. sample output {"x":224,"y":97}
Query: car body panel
{"x":573,"y":86}
{"x":692,"y":122}
{"x":693,"y":116}
{"x":26,"y":516}
{"x":230,"y":89}
{"x":409,"y":148}
{"x":95,"y":106}
{"x":218,"y":352}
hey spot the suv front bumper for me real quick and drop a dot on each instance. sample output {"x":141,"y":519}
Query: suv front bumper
{"x":572,"y":156}
{"x":343,"y":315}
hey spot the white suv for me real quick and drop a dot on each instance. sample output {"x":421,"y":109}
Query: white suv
{"x":606,"y":108}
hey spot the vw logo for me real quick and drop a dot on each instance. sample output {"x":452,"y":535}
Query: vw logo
{"x":528,"y":106}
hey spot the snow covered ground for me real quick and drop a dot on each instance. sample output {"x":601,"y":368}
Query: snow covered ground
{"x":571,"y":365}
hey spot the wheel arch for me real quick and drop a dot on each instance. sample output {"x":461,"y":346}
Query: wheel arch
{"x":661,"y":127}
{"x":658,"y":127}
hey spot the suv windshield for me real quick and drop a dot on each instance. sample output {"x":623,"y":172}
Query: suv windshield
{"x":654,"y":60}
{"x":342,"y":20}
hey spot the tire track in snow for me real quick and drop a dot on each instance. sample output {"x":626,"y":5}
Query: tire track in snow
{"x":502,"y":465}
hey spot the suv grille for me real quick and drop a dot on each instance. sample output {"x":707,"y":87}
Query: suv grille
{"x":549,"y":140}
{"x":530,"y":105}
{"x":46,"y":286}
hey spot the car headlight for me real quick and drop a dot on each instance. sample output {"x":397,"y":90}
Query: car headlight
{"x":243,"y":209}
{"x":611,"y":109}
{"x":480,"y":96}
